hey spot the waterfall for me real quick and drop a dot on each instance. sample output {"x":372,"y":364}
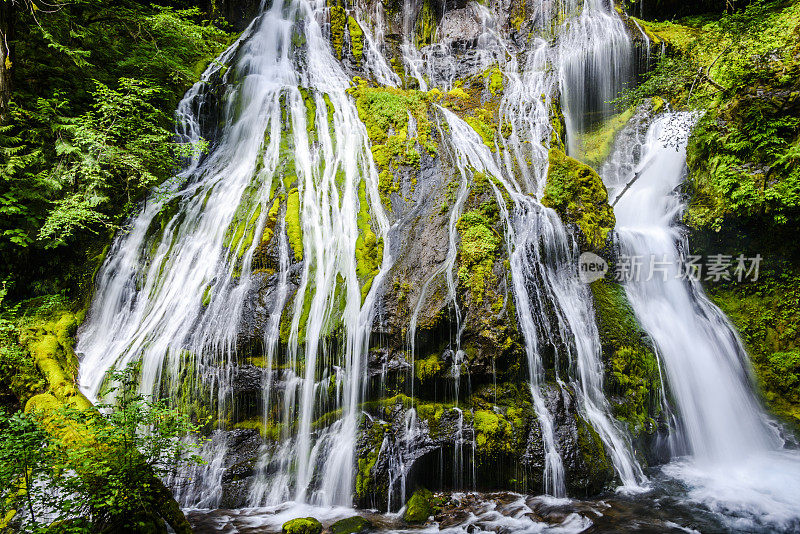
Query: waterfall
{"x":280,"y":201}
{"x":596,"y":62}
{"x":164,"y":299}
{"x":735,"y":461}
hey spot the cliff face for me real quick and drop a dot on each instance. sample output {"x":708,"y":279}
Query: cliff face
{"x":447,"y":395}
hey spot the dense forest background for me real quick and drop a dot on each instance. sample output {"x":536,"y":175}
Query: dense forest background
{"x":88,"y":91}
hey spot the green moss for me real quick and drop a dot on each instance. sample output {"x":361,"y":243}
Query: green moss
{"x":480,"y":245}
{"x":633,"y":367}
{"x":351,"y":525}
{"x":302,"y":525}
{"x":207,"y":295}
{"x":311,"y":112}
{"x":593,"y":453}
{"x":428,"y":368}
{"x":578,"y":194}
{"x":495,"y":78}
{"x":595,"y":146}
{"x":767,"y":317}
{"x":385,"y":112}
{"x":338,"y":21}
{"x":294,"y":230}
{"x":369,"y":249}
{"x":270,"y":431}
{"x":419,"y":507}
{"x":356,"y":38}
{"x":364,"y":481}
{"x":484,"y":129}
{"x":458,"y":92}
{"x":494,"y":433}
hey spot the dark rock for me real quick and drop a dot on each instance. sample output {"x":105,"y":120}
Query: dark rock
{"x":351,"y":525}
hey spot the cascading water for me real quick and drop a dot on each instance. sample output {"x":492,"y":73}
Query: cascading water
{"x":289,"y":198}
{"x":182,"y":294}
{"x":735,"y":463}
{"x":596,"y":61}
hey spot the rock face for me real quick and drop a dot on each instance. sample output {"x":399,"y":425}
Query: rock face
{"x":461,"y":25}
{"x":446,"y":400}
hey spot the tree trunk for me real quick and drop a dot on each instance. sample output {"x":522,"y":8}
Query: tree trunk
{"x":52,"y":352}
{"x":5,"y":57}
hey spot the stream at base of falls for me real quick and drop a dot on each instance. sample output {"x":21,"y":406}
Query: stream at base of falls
{"x":692,"y":503}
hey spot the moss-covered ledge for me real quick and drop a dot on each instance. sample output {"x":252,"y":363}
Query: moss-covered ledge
{"x":577,"y":193}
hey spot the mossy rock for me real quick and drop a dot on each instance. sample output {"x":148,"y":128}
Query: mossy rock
{"x":579,"y":196}
{"x":302,"y":525}
{"x":632,"y":366}
{"x":351,"y":525}
{"x":419,"y":507}
{"x":596,"y":465}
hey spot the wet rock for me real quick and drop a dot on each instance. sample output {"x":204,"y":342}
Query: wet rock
{"x":243,"y":448}
{"x":419,"y":507}
{"x":351,"y":525}
{"x":461,"y":25}
{"x":302,"y":525}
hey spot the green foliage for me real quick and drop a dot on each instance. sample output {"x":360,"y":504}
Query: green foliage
{"x":93,"y":470}
{"x":118,"y":148}
{"x":85,"y":141}
{"x":744,"y":158}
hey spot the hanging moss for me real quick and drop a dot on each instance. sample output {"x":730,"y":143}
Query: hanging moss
{"x":338,"y":21}
{"x":577,"y":193}
{"x":356,"y":38}
{"x":428,"y":368}
{"x":480,"y":244}
{"x":294,"y":230}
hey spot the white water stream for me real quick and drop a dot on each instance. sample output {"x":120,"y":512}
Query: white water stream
{"x":735,"y":463}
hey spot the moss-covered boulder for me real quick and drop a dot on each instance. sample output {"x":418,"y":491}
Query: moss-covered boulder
{"x":419,"y":506}
{"x":351,"y":525}
{"x":302,"y":525}
{"x":579,"y":196}
{"x":632,"y":368}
